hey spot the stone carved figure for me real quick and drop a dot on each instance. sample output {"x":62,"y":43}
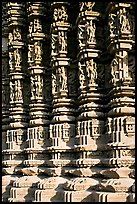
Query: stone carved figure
{"x":91,"y":70}
{"x":37,"y":26}
{"x":10,"y":37}
{"x":62,"y":41}
{"x":86,"y":6}
{"x":91,"y":28}
{"x":30,"y":27}
{"x":124,"y":21}
{"x":39,"y":85}
{"x":17,"y":34}
{"x":60,"y":14}
{"x":38,"y":51}
{"x":62,"y":78}
{"x":17,"y":56}
{"x":54,"y":84}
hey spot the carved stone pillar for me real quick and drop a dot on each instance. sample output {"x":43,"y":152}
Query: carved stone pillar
{"x":62,"y":127}
{"x":37,"y":133}
{"x":90,"y":122}
{"x":18,"y":119}
{"x":16,"y":133}
{"x":121,"y":112}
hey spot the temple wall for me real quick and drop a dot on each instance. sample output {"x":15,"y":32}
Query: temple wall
{"x":68,"y":102}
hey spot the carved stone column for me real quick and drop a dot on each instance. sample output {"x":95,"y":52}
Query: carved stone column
{"x":37,"y":133}
{"x":121,"y":112}
{"x":62,"y":127}
{"x":90,"y":121}
{"x":16,"y":133}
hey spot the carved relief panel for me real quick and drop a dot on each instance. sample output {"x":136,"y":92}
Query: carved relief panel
{"x":63,"y":131}
{"x":60,"y":14}
{"x":62,"y":78}
{"x":18,"y":90}
{"x":62,"y":39}
{"x":124,"y":25}
{"x":91,"y":69}
{"x":38,"y":52}
{"x":36,"y":86}
{"x":90,"y":32}
{"x":129,"y":126}
{"x":92,"y":128}
{"x":15,"y":137}
{"x":17,"y":57}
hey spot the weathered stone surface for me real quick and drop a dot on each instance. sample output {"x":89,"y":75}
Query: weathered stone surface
{"x":78,"y":184}
{"x":116,"y":173}
{"x":68,"y":101}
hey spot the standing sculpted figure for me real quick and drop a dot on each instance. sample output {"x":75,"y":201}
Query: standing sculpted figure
{"x":38,"y":50}
{"x":17,"y":34}
{"x":91,"y":28}
{"x":91,"y":70}
{"x":62,"y":78}
{"x":62,"y":41}
{"x":17,"y":57}
{"x":10,"y":38}
{"x":30,"y":27}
